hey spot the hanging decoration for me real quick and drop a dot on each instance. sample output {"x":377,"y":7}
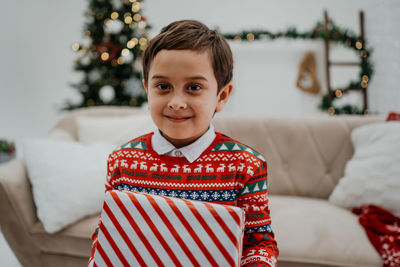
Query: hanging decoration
{"x":307,"y":79}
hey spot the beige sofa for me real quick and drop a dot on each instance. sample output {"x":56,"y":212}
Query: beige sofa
{"x":306,"y":158}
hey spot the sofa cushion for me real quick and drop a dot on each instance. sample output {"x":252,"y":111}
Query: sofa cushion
{"x":314,"y":231}
{"x":67,"y":179}
{"x":372,"y":175}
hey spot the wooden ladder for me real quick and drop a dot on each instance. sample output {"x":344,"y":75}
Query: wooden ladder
{"x":338,"y":92}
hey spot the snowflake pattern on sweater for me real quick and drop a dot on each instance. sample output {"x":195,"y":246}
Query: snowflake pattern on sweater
{"x":227,"y":172}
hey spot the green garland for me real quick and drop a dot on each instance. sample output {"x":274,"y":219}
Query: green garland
{"x":335,"y":34}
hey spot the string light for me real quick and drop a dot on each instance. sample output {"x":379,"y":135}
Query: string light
{"x":125,"y":52}
{"x":131,"y":44}
{"x":75,"y":47}
{"x":338,"y":93}
{"x":128,"y":20}
{"x":107,"y":21}
{"x":135,"y":40}
{"x":114,"y":15}
{"x":135,"y":7}
{"x":364,"y":54}
{"x":105,"y":56}
{"x":364,"y":84}
{"x":250,"y":37}
{"x":143,"y":41}
{"x":120,"y":61}
{"x":137,"y":17}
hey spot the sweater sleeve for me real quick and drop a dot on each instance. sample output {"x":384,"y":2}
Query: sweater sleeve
{"x":112,"y":172}
{"x":259,"y":245}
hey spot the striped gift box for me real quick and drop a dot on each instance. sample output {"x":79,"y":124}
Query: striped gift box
{"x":140,"y":229}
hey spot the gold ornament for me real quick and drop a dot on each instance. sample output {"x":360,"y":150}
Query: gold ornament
{"x":365,"y":78}
{"x":359,"y":45}
{"x":237,"y":38}
{"x":331,"y":110}
{"x":338,"y":93}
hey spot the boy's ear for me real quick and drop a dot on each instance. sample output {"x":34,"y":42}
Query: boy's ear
{"x":223,"y":96}
{"x":144,"y":85}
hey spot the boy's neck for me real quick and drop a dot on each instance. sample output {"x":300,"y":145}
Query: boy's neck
{"x":179,"y":143}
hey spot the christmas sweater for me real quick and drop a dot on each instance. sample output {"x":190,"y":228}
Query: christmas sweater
{"x":227,"y":172}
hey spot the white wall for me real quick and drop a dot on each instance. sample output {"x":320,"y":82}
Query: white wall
{"x":36,"y":59}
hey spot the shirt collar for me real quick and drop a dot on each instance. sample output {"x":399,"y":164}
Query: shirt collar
{"x":191,"y":152}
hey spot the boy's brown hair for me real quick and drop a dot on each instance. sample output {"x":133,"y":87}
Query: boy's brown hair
{"x":192,"y":35}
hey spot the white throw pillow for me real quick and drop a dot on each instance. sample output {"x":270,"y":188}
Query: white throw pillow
{"x":67,"y":179}
{"x":113,"y":129}
{"x":372,"y":175}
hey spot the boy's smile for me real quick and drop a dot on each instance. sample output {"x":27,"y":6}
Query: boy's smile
{"x":182,"y":94}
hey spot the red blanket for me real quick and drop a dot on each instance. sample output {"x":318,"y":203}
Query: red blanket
{"x":383,"y":230}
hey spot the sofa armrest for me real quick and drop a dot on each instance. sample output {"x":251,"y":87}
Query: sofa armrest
{"x":15,"y":190}
{"x":18,"y":212}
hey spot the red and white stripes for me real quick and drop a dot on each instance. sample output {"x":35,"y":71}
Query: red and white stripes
{"x":140,"y":229}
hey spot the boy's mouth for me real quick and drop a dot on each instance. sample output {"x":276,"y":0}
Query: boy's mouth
{"x":177,"y":118}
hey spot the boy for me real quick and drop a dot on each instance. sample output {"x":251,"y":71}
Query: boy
{"x":187,"y":71}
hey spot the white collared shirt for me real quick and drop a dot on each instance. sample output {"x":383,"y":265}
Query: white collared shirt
{"x":191,"y":152}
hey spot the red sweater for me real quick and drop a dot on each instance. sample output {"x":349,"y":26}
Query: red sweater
{"x":227,"y":172}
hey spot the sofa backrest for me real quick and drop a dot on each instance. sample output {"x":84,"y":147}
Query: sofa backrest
{"x":305,"y":156}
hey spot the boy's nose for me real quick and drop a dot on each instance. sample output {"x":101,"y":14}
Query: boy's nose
{"x":177,"y":102}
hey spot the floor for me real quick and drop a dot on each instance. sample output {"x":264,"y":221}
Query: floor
{"x":7,"y":257}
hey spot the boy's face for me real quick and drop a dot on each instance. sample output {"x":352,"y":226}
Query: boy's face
{"x":182,"y":94}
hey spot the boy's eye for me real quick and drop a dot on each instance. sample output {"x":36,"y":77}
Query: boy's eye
{"x":162,"y":86}
{"x":194,"y":87}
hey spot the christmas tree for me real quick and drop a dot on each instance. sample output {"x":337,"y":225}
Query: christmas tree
{"x":109,"y":55}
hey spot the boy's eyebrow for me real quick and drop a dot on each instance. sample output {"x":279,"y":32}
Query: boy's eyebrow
{"x":198,"y":77}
